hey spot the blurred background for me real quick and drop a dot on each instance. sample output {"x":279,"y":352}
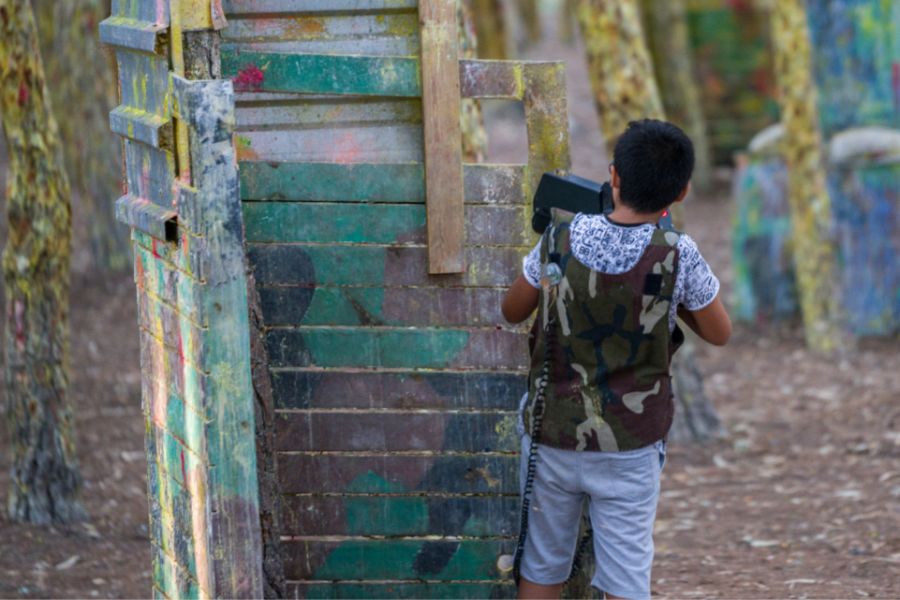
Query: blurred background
{"x":795,"y":489}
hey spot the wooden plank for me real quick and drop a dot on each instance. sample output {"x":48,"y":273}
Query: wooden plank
{"x":327,"y":182}
{"x":395,"y":224}
{"x":314,"y":112}
{"x":440,"y":560}
{"x":141,"y":126}
{"x":149,"y":217}
{"x":321,"y":74}
{"x":443,"y":137}
{"x":414,"y":515}
{"x":239,"y":7}
{"x":376,"y":474}
{"x":368,"y":143}
{"x":400,"y":589}
{"x":401,"y":306}
{"x":124,"y":32}
{"x":336,"y":389}
{"x":317,"y":265}
{"x":395,"y":432}
{"x":367,"y":347}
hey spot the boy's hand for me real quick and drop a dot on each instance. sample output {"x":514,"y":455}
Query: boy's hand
{"x":520,"y":300}
{"x":711,"y":322}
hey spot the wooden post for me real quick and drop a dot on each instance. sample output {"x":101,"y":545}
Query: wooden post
{"x":443,"y":136}
{"x":814,"y":255}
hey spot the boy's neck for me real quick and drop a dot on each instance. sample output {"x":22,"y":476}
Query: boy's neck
{"x":625,"y":215}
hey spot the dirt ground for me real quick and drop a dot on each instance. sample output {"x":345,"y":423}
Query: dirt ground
{"x":801,"y":499}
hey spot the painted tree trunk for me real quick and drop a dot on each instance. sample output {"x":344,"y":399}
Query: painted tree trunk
{"x":814,"y":256}
{"x":490,"y":26}
{"x":45,"y":477}
{"x":83,"y":93}
{"x":529,"y":11}
{"x":474,"y":135}
{"x":667,"y":35}
{"x":567,"y":21}
{"x":620,"y":67}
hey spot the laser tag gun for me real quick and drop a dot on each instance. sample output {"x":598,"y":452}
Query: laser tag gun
{"x":575,"y":195}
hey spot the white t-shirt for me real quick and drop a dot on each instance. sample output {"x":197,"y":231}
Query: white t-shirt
{"x":610,"y":248}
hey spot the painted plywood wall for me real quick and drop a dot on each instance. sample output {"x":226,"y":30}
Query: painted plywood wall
{"x":395,"y":390}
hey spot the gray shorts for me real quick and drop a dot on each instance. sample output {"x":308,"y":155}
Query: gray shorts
{"x":623,"y":488}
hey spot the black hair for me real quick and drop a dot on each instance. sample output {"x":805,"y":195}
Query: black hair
{"x":654,"y":160}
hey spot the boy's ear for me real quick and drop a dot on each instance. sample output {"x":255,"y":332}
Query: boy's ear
{"x":614,"y":180}
{"x":683,"y":194}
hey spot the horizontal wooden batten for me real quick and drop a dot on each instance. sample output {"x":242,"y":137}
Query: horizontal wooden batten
{"x":141,"y":126}
{"x":396,"y":348}
{"x":361,"y":182}
{"x":467,"y":516}
{"x":408,"y":306}
{"x":451,"y":474}
{"x":356,"y":431}
{"x":153,"y":219}
{"x":133,"y":34}
{"x":407,"y":390}
{"x":361,"y":266}
{"x":395,"y":224}
{"x":367,"y":143}
{"x":321,"y":73}
{"x":441,"y":560}
{"x":234,"y":8}
{"x":324,"y":112}
{"x":400,"y":589}
{"x":392,"y":76}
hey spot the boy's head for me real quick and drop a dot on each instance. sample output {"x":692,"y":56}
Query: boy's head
{"x":653,"y":165}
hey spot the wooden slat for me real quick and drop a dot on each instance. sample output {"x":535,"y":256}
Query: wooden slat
{"x":379,"y":432}
{"x":238,"y":7}
{"x":370,"y":143}
{"x":401,"y":348}
{"x":413,"y":515}
{"x":318,"y":265}
{"x":375,"y":474}
{"x":336,"y":389}
{"x":395,"y":224}
{"x":321,"y":74}
{"x":327,"y":182}
{"x":395,"y":559}
{"x":443,"y":137}
{"x":399,"y":306}
{"x":400,"y":589}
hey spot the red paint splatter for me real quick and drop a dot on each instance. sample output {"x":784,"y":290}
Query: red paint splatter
{"x":153,"y":249}
{"x":250,"y":79}
{"x":180,"y":348}
{"x":23,"y":94}
{"x":183,"y":470}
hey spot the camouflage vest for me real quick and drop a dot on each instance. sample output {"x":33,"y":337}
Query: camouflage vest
{"x":610,"y":348}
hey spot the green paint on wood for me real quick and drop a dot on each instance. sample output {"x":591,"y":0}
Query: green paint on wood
{"x":346,"y":306}
{"x":333,"y":222}
{"x":367,"y":347}
{"x":331,"y":182}
{"x":397,"y":515}
{"x":400,"y":559}
{"x":321,"y":73}
{"x":390,"y":591}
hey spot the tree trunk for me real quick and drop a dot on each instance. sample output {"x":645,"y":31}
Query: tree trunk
{"x":619,"y":65}
{"x":490,"y":27}
{"x":529,"y":11}
{"x":669,"y":40}
{"x":45,"y":478}
{"x":84,"y":91}
{"x":474,"y":135}
{"x":567,"y":21}
{"x":814,"y":256}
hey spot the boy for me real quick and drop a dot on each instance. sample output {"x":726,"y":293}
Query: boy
{"x":607,"y":289}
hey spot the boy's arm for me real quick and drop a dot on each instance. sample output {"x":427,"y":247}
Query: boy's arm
{"x":710,"y":322}
{"x":520,"y":300}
